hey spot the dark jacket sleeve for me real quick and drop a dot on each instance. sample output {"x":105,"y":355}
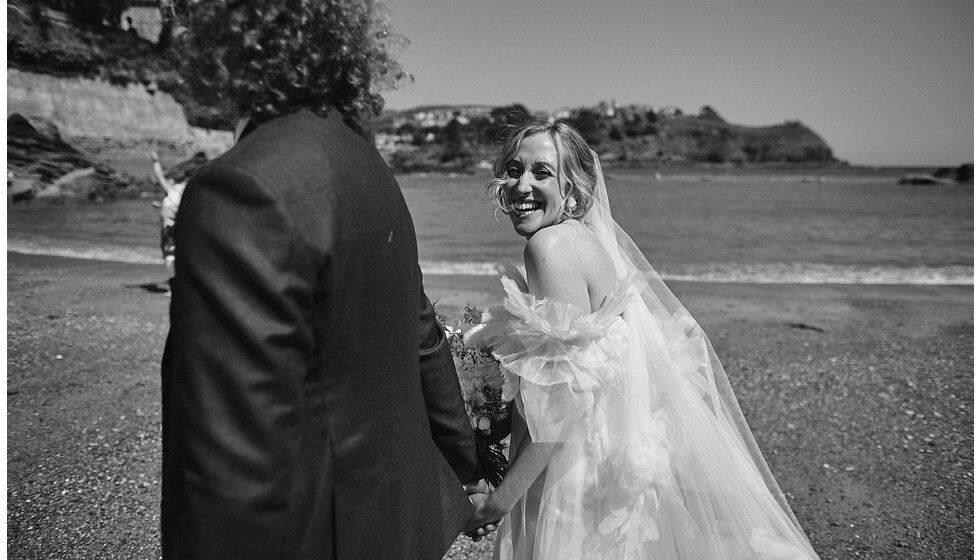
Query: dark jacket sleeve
{"x":448,"y":421}
{"x":240,"y":345}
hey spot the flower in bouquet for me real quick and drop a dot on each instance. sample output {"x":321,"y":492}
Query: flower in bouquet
{"x":484,"y":388}
{"x":480,"y":377}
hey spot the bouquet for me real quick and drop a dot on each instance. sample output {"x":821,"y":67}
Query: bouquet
{"x":482,"y":383}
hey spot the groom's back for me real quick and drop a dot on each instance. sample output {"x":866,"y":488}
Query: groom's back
{"x":344,"y":296}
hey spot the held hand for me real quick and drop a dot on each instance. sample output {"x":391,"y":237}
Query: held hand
{"x":484,"y":520}
{"x":478,"y":487}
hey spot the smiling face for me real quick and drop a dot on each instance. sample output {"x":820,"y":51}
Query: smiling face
{"x":532,"y":187}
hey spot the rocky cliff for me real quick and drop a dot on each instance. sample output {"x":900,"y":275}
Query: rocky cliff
{"x":94,"y":108}
{"x":89,"y":107}
{"x":61,"y":126}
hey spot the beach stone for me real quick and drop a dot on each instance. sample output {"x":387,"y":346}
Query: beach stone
{"x":924,"y":179}
{"x":36,"y":151}
{"x":21,"y":188}
{"x":964,"y":173}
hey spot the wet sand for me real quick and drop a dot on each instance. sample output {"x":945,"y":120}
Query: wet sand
{"x":861,"y":398}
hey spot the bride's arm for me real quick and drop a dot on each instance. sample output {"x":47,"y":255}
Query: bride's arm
{"x":554,"y":271}
{"x":529,"y":462}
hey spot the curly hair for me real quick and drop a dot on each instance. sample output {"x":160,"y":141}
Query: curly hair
{"x":272,"y":57}
{"x":576,"y":164}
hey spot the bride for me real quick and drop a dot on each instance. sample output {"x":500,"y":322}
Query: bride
{"x":627,"y":441}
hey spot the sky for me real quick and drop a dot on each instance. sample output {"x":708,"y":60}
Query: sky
{"x":883,"y":82}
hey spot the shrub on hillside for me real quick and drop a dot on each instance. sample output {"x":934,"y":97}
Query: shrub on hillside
{"x":90,"y":13}
{"x":110,"y":54}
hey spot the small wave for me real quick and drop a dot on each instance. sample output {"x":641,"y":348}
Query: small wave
{"x":767,"y":273}
{"x":460,"y":268}
{"x":818,"y":273}
{"x":134,"y":255}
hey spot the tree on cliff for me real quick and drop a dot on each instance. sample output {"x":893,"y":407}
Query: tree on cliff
{"x":41,"y":22}
{"x":590,"y":123}
{"x":171,"y":12}
{"x":709,"y":114}
{"x":92,"y":13}
{"x":453,"y":141}
{"x":502,"y":117}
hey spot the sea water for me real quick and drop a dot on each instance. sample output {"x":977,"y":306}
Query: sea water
{"x":850,"y":225}
{"x":757,"y":226}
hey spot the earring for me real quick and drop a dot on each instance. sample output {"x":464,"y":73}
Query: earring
{"x":571,"y":204}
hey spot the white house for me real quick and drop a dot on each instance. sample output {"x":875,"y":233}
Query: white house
{"x":144,"y":17}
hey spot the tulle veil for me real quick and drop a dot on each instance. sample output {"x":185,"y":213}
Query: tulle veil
{"x":720,"y":481}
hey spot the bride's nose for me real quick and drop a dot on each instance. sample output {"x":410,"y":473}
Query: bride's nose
{"x":523,"y":185}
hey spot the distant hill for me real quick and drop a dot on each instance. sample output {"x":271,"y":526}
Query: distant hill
{"x":451,"y":137}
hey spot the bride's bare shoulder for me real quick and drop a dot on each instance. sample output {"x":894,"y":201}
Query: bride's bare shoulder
{"x":567,"y":261}
{"x":569,"y":243}
{"x":554,"y":268}
{"x":554,"y":242}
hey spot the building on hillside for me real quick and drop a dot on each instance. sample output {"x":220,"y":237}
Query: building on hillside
{"x":144,"y":18}
{"x":608,"y":110}
{"x":428,"y":117}
{"x":560,"y":114}
{"x":385,"y":142}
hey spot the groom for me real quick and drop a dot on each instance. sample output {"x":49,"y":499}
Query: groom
{"x":310,"y":404}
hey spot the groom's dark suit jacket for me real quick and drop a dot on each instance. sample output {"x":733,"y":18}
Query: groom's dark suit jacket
{"x":310,"y":405}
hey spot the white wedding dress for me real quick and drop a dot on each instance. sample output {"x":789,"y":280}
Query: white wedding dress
{"x":655,"y":459}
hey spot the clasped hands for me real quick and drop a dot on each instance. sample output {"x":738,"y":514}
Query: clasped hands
{"x":485,"y":520}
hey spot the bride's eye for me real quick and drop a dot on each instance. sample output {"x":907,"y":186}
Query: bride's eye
{"x":542,"y":173}
{"x":514,"y":171}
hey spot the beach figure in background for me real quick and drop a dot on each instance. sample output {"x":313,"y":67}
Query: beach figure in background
{"x":168,"y":211}
{"x":311,"y":408}
{"x":627,"y":440}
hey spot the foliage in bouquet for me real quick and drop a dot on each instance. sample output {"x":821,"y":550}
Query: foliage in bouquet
{"x":482,"y":383}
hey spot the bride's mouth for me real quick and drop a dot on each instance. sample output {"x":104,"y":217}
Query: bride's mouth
{"x":524,"y":208}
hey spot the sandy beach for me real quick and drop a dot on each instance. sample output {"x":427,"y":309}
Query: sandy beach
{"x":861,"y":397}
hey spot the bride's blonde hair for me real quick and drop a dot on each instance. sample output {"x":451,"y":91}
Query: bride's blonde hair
{"x":576,"y":165}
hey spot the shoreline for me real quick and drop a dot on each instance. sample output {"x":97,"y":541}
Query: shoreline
{"x":712,"y":302}
{"x":790,"y":273}
{"x":450,"y":293}
{"x":453,"y":288}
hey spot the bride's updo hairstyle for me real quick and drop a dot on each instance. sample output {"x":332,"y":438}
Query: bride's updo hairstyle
{"x":576,"y":166}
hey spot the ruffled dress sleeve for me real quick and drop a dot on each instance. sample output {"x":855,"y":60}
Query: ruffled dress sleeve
{"x":558,"y":358}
